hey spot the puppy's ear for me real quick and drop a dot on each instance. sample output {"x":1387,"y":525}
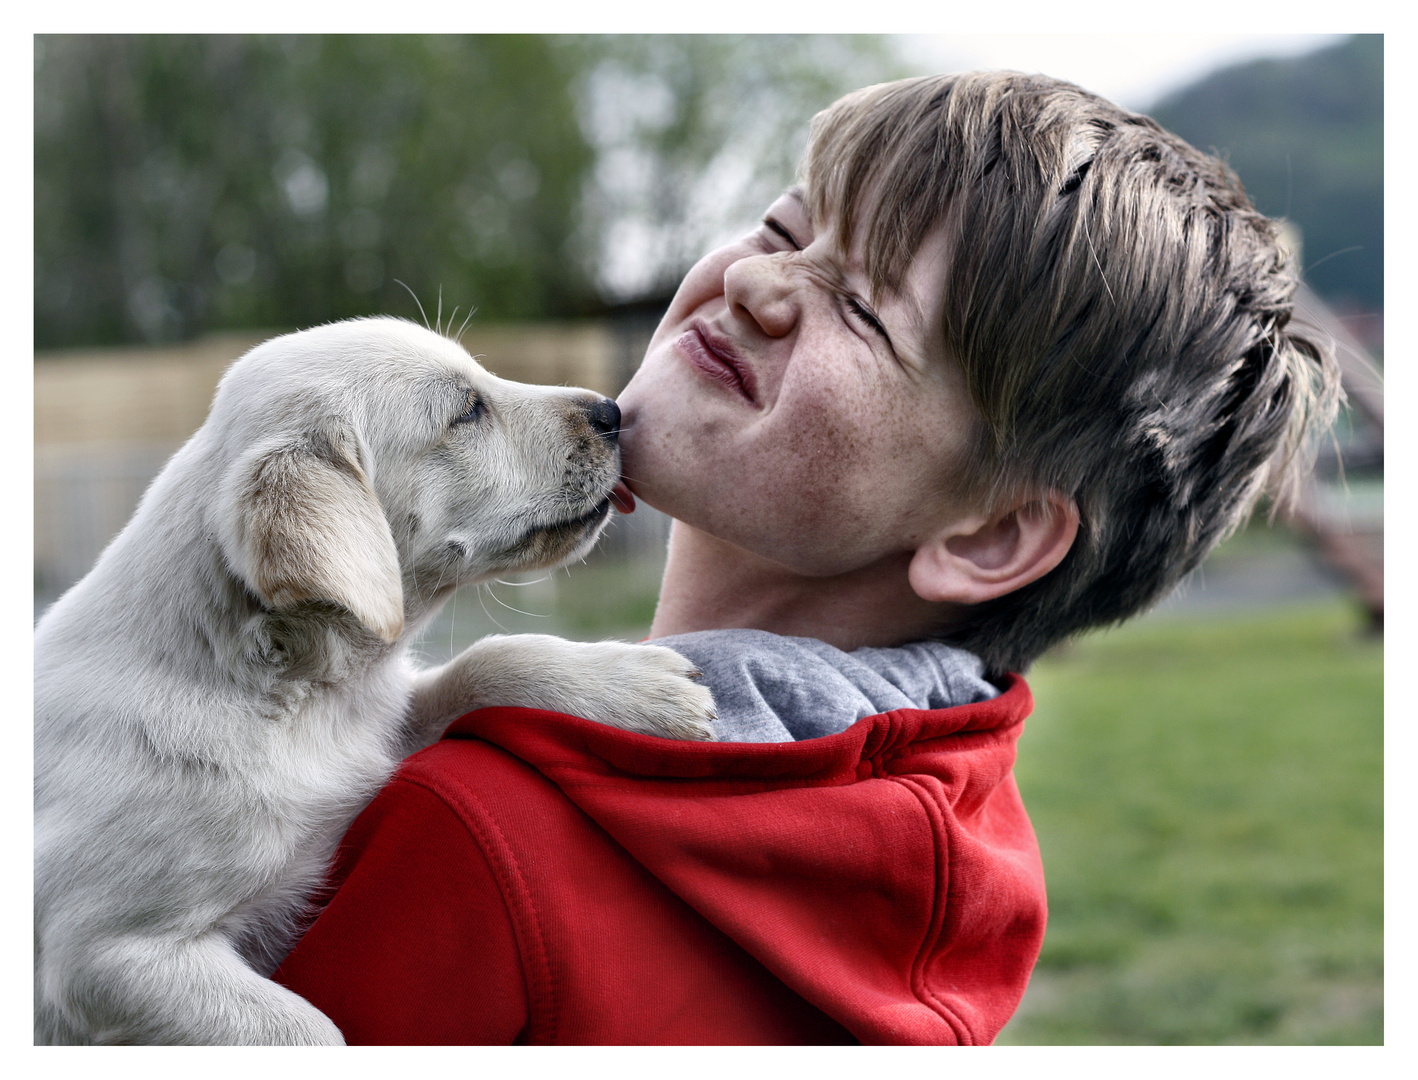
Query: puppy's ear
{"x":308,"y":526}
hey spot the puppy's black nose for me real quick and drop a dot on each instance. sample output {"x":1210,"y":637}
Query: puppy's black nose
{"x":605,"y":418}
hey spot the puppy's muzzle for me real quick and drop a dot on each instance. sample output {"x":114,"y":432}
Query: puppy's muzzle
{"x":604,"y":418}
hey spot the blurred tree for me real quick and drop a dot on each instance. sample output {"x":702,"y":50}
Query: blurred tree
{"x":184,"y":183}
{"x":1305,"y":135}
{"x":190,"y":182}
{"x":695,"y":136}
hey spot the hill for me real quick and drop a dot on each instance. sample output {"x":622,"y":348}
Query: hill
{"x":1305,"y":134}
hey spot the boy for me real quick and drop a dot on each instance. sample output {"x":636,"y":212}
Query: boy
{"x":1005,"y":366}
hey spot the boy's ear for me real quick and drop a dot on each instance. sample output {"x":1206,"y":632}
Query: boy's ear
{"x":979,"y":558}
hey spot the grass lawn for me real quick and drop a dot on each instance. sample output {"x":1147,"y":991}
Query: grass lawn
{"x":1208,"y":795}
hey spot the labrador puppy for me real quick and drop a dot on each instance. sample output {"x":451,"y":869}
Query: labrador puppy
{"x":230,"y":685}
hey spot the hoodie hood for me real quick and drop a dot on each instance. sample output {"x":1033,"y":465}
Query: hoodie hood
{"x":887,"y":874}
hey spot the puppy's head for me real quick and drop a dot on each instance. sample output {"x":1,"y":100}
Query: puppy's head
{"x":375,"y":465}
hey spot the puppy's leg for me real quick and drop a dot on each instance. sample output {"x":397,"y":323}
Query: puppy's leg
{"x":160,"y":991}
{"x":644,"y":688}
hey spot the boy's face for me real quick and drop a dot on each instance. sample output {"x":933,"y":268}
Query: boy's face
{"x":784,"y":409}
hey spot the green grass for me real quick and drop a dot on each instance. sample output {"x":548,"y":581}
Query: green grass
{"x":1208,"y":798}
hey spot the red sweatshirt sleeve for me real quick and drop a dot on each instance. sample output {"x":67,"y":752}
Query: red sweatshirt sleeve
{"x":415,"y":946}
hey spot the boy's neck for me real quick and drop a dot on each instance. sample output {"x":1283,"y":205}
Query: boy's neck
{"x":710,"y":584}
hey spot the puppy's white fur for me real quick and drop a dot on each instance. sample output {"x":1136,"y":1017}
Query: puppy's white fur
{"x":229,"y":686}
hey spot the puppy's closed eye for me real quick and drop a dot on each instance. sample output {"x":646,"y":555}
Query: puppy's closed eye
{"x":476,"y":407}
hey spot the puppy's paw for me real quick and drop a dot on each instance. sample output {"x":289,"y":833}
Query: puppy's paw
{"x":645,"y":688}
{"x":655,"y":692}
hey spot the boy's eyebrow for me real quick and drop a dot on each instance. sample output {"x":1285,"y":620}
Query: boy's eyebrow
{"x":795,"y":192}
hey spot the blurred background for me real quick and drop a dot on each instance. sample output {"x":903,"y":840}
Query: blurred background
{"x":1206,"y":781}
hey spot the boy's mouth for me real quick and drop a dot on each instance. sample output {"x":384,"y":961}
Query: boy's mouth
{"x":717,"y":358}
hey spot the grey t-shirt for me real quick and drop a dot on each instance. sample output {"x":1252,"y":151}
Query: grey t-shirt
{"x":771,"y":688}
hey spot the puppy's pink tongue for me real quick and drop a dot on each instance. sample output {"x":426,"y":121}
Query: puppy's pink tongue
{"x":624,"y":501}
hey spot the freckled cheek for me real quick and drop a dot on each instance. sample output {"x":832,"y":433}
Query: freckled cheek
{"x":823,"y":454}
{"x":871,"y":451}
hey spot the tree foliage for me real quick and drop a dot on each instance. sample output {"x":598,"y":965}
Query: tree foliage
{"x":184,"y":183}
{"x":697,"y":134}
{"x":190,"y":182}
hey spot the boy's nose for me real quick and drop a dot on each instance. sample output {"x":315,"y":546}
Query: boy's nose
{"x":758,"y":287}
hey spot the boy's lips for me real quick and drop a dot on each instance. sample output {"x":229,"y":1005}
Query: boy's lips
{"x":717,"y":358}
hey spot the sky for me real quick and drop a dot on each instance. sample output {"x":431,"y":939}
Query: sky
{"x":1133,"y":70}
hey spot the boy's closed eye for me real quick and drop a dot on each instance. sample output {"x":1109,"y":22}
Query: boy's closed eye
{"x":864,"y":313}
{"x":775,"y":226}
{"x":860,"y":310}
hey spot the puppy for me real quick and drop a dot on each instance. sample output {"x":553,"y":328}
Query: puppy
{"x":229,"y":686}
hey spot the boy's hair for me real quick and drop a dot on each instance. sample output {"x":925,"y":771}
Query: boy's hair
{"x":1121,"y":313}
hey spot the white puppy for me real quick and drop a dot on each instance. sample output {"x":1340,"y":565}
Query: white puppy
{"x":229,"y":686}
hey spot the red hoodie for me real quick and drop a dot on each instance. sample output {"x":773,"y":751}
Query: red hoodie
{"x":539,"y":878}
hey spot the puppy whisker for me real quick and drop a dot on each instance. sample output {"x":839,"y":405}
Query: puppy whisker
{"x":519,"y":611}
{"x":416,"y":301}
{"x":491,"y":617}
{"x":452,"y":620}
{"x":466,"y":319}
